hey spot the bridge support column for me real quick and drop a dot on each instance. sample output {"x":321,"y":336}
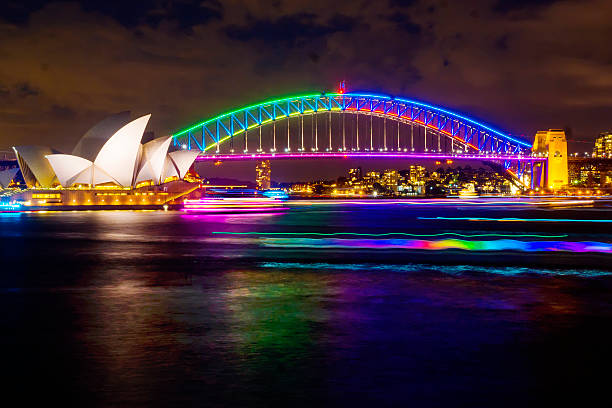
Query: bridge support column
{"x":357,"y":129}
{"x":274,"y":135}
{"x":385,"y":133}
{"x":330,"y":130}
{"x":343,"y":132}
{"x":398,"y":136}
{"x":371,"y":133}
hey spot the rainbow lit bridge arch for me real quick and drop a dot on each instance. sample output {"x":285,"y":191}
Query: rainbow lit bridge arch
{"x":465,"y":134}
{"x":328,"y":125}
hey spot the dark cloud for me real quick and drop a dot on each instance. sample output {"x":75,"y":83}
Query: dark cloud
{"x":18,"y":11}
{"x":402,"y":3}
{"x":501,"y":43}
{"x":505,"y":6}
{"x":183,"y":13}
{"x":63,"y":112}
{"x":290,"y":30}
{"x":4,"y":91}
{"x":404,"y":22}
{"x":24,"y":90}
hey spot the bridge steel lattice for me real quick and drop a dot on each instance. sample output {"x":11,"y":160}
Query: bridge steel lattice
{"x":373,"y":130}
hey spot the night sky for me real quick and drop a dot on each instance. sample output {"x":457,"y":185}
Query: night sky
{"x":518,"y":65}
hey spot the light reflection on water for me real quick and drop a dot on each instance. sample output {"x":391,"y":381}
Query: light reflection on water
{"x":446,"y":269}
{"x":153,"y":309}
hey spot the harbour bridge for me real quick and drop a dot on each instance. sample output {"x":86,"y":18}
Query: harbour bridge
{"x":357,"y":125}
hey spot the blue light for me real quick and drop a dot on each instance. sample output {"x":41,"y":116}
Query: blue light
{"x":10,"y":206}
{"x":279,"y":194}
{"x":497,"y":132}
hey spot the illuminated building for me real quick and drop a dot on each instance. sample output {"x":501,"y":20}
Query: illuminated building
{"x":553,"y":144}
{"x":371,"y":177}
{"x":109,"y":166}
{"x":263,"y":173}
{"x":7,"y":176}
{"x":590,"y":172}
{"x":416,"y":173}
{"x":110,"y":157}
{"x":603,"y":145}
{"x":35,"y":168}
{"x":390,"y":179}
{"x":355,"y":174}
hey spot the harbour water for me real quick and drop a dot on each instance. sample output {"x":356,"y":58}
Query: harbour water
{"x":327,"y":303}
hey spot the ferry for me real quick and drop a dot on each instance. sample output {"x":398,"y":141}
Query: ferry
{"x":468,"y":192}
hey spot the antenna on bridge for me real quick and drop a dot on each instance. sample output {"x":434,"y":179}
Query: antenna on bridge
{"x":342,"y":87}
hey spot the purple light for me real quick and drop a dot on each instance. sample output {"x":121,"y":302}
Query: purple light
{"x":233,"y":204}
{"x":362,"y":155}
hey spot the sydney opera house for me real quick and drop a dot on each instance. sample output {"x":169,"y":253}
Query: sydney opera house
{"x":112,"y":164}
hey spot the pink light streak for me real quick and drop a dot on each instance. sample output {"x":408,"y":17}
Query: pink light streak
{"x":233,"y":204}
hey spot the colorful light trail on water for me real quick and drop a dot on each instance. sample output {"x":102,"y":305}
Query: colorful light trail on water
{"x":442,"y":244}
{"x":386,"y":234}
{"x":452,"y":202}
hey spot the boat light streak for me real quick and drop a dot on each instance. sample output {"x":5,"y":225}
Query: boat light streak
{"x":332,"y":234}
{"x":443,"y":244}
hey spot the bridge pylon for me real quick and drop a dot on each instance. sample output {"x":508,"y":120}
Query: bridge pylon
{"x":552,"y":144}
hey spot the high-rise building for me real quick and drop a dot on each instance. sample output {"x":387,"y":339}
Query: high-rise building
{"x":390,"y":179}
{"x":416,"y":173}
{"x":603,"y":145}
{"x":263,"y":172}
{"x":553,"y":144}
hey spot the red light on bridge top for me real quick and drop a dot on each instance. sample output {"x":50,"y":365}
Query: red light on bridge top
{"x":342,"y":87}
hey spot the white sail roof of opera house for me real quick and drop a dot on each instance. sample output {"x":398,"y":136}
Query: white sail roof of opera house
{"x":111,"y":152}
{"x":72,"y":170}
{"x":35,"y":169}
{"x":152,"y":159}
{"x":123,"y":160}
{"x":92,"y":141}
{"x":183,"y":159}
{"x":119,"y":155}
{"x":6,"y":176}
{"x":114,"y":163}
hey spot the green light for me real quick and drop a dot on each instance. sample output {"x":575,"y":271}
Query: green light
{"x":182,"y":132}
